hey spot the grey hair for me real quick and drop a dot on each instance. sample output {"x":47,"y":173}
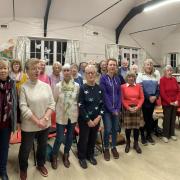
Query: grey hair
{"x":5,"y":62}
{"x":130,"y":74}
{"x":31,"y":62}
{"x":92,"y":67}
{"x":167,"y":67}
{"x":57,"y":63}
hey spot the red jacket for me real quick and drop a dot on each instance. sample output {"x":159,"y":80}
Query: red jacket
{"x":169,"y":90}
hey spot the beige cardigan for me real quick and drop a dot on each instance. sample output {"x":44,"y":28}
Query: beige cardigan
{"x":35,"y":98}
{"x":59,"y":99}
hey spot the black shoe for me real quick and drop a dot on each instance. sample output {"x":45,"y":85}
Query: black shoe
{"x":92,"y":160}
{"x":150,"y":139}
{"x":4,"y":177}
{"x":144,"y":141}
{"x":83,"y":163}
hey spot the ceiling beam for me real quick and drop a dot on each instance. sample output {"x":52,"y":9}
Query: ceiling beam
{"x":46,"y":16}
{"x":13,"y":10}
{"x":101,"y":13}
{"x":132,"y":13}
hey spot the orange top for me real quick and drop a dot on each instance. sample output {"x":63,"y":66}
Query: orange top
{"x":132,"y":95}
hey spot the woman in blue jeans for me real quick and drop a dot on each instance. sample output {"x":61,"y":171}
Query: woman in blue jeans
{"x":8,"y":115}
{"x":65,"y":95}
{"x":110,"y":84}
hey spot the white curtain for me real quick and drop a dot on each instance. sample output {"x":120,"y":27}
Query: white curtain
{"x":22,"y":49}
{"x":112,"y":51}
{"x":72,"y":52}
{"x":167,"y":60}
{"x":142,"y":57}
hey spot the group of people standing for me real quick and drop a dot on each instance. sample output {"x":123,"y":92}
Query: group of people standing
{"x":82,"y":98}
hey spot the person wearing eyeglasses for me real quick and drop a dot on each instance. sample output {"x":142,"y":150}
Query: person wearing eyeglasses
{"x":90,"y":113}
{"x":66,"y":97}
{"x":36,"y":104}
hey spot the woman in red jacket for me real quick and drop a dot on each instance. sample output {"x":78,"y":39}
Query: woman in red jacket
{"x":169,"y":91}
{"x":132,"y":100}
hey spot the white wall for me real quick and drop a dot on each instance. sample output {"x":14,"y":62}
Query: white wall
{"x":91,"y":47}
{"x":171,"y":44}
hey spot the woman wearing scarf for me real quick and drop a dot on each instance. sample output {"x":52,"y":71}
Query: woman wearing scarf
{"x":8,"y":115}
{"x":65,"y":95}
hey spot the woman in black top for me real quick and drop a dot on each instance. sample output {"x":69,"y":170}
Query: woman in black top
{"x":90,"y":112}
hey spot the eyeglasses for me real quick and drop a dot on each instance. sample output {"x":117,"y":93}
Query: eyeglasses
{"x":66,"y":70}
{"x":90,"y":73}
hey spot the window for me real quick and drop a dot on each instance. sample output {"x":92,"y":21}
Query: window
{"x":35,"y":51}
{"x":61,"y":51}
{"x":173,"y":58}
{"x":49,"y":49}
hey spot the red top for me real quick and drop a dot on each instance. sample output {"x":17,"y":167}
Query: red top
{"x":132,"y":95}
{"x":169,"y":90}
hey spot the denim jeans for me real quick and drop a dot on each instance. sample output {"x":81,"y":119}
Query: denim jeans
{"x":26,"y":146}
{"x":62,"y":137}
{"x":111,"y":127}
{"x":4,"y":146}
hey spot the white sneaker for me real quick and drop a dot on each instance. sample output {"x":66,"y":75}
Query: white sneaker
{"x":165,"y":139}
{"x":174,"y":138}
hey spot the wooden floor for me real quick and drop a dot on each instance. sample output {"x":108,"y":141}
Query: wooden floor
{"x":157,"y":162}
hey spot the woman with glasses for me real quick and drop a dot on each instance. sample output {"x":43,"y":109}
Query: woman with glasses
{"x":36,"y":105}
{"x":90,"y":112}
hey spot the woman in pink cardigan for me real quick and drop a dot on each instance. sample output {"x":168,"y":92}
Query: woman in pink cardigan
{"x":132,"y":100}
{"x":169,"y":91}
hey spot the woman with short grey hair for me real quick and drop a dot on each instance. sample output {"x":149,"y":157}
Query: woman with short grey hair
{"x":36,"y":105}
{"x":132,"y":100}
{"x":169,"y":91}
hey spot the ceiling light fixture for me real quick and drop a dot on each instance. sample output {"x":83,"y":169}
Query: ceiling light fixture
{"x":160,"y":4}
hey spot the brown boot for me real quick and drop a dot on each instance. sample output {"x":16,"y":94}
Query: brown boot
{"x":137,"y":148}
{"x":115,"y":153}
{"x":23,"y":175}
{"x":106,"y":155}
{"x":66,"y":160}
{"x":127,"y":148}
{"x":54,"y":162}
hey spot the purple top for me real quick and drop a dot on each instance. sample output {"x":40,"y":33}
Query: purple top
{"x":112,"y":92}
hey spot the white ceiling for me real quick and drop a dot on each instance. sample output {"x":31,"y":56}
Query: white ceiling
{"x":82,"y":10}
{"x":71,"y":10}
{"x":163,"y":16}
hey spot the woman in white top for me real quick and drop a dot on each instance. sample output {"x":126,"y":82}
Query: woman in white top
{"x":36,"y":105}
{"x":65,"y":95}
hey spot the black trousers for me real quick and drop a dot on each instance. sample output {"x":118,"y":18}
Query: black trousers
{"x":26,"y":146}
{"x":148,"y":119}
{"x":4,"y":148}
{"x":87,"y":140}
{"x":135,"y":134}
{"x":169,"y":121}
